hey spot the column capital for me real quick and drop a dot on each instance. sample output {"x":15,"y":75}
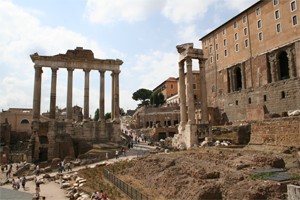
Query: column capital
{"x":117,"y":71}
{"x":188,"y":60}
{"x":87,"y":70}
{"x":102,"y":71}
{"x":201,"y":62}
{"x":54,"y":68}
{"x":70,"y":69}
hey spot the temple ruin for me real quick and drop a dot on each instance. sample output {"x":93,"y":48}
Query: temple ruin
{"x":188,"y":130}
{"x":58,"y":139}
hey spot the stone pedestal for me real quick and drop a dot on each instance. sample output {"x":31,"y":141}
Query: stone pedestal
{"x":293,"y":192}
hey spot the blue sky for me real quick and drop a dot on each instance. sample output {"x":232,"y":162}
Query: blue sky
{"x":142,"y":33}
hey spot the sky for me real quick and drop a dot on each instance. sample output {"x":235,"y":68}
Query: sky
{"x":142,"y":33}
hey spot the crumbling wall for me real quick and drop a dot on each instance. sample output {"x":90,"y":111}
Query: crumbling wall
{"x":278,"y":131}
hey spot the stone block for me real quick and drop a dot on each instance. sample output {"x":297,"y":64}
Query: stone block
{"x":293,"y":192}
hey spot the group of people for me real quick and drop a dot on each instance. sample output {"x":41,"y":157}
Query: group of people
{"x":16,"y":183}
{"x":99,"y":196}
{"x":62,"y":167}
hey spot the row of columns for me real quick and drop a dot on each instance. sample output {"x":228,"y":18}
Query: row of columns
{"x":186,"y":94}
{"x":38,"y":85}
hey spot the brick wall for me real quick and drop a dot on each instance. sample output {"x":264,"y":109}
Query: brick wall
{"x":280,"y":132}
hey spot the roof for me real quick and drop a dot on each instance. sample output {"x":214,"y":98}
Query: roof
{"x":255,"y":4}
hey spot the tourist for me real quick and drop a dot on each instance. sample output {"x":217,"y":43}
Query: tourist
{"x":37,"y":189}
{"x":13,"y":184}
{"x":123,"y":152}
{"x":117,"y":154}
{"x":106,"y":155}
{"x":68,"y":167}
{"x":103,"y":195}
{"x":23,"y":182}
{"x":37,"y":170}
{"x":18,"y":183}
{"x":62,"y":166}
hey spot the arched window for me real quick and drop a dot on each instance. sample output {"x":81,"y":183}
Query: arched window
{"x":283,"y":66}
{"x":24,"y":121}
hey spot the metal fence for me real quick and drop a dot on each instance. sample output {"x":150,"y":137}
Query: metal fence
{"x":124,"y":187}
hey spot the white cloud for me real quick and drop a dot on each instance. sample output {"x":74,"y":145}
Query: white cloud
{"x":238,"y":5}
{"x":189,"y":34}
{"x":108,"y":11}
{"x":21,"y":35}
{"x":187,"y":11}
{"x":154,"y":68}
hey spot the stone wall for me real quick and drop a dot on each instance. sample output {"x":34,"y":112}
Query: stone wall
{"x":280,"y":132}
{"x":278,"y":97}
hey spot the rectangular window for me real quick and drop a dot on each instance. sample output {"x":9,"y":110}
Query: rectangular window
{"x":210,"y":49}
{"x":277,"y":15}
{"x":246,"y":43}
{"x":257,"y":11}
{"x":236,"y":47}
{"x":217,"y":56}
{"x":275,"y":2}
{"x":278,"y":28}
{"x":259,"y":24}
{"x":244,"y":19}
{"x":194,"y":86}
{"x":217,"y":46}
{"x":172,"y":86}
{"x":260,"y":36}
{"x":216,"y":36}
{"x":210,"y":40}
{"x":225,"y":53}
{"x":224,"y":31}
{"x":293,"y":6}
{"x":224,"y":42}
{"x":236,"y":36}
{"x":245,"y":31}
{"x":234,"y":24}
{"x":211,"y":59}
{"x":295,"y":20}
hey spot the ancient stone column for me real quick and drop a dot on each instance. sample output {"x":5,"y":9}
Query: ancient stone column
{"x":86,"y":109}
{"x":272,"y":61}
{"x":182,"y":94}
{"x":204,"y":110}
{"x":37,"y":93}
{"x":69,"y":94}
{"x":53,"y":93}
{"x":190,"y":92}
{"x":231,"y":88}
{"x":101,"y":102}
{"x":112,"y":95}
{"x":116,"y":95}
{"x":292,"y":68}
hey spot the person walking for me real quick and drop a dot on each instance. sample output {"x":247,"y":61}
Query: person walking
{"x":23,"y":182}
{"x":117,"y":154}
{"x":37,"y":189}
{"x":106,"y":155}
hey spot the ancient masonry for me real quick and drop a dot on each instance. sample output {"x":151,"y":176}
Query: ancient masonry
{"x":188,"y":130}
{"x":56,"y":139}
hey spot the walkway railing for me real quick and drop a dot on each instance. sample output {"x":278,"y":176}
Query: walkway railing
{"x":124,"y":187}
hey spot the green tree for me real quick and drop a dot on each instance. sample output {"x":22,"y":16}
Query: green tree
{"x":96,"y":116}
{"x":157,"y":99}
{"x":142,"y":95}
{"x":107,"y":116}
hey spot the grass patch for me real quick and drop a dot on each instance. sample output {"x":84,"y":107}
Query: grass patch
{"x":262,"y":176}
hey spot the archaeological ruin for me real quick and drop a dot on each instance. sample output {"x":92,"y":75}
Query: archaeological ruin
{"x":58,"y":139}
{"x":188,"y":130}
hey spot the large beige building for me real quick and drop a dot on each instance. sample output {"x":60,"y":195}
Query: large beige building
{"x":253,"y":65}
